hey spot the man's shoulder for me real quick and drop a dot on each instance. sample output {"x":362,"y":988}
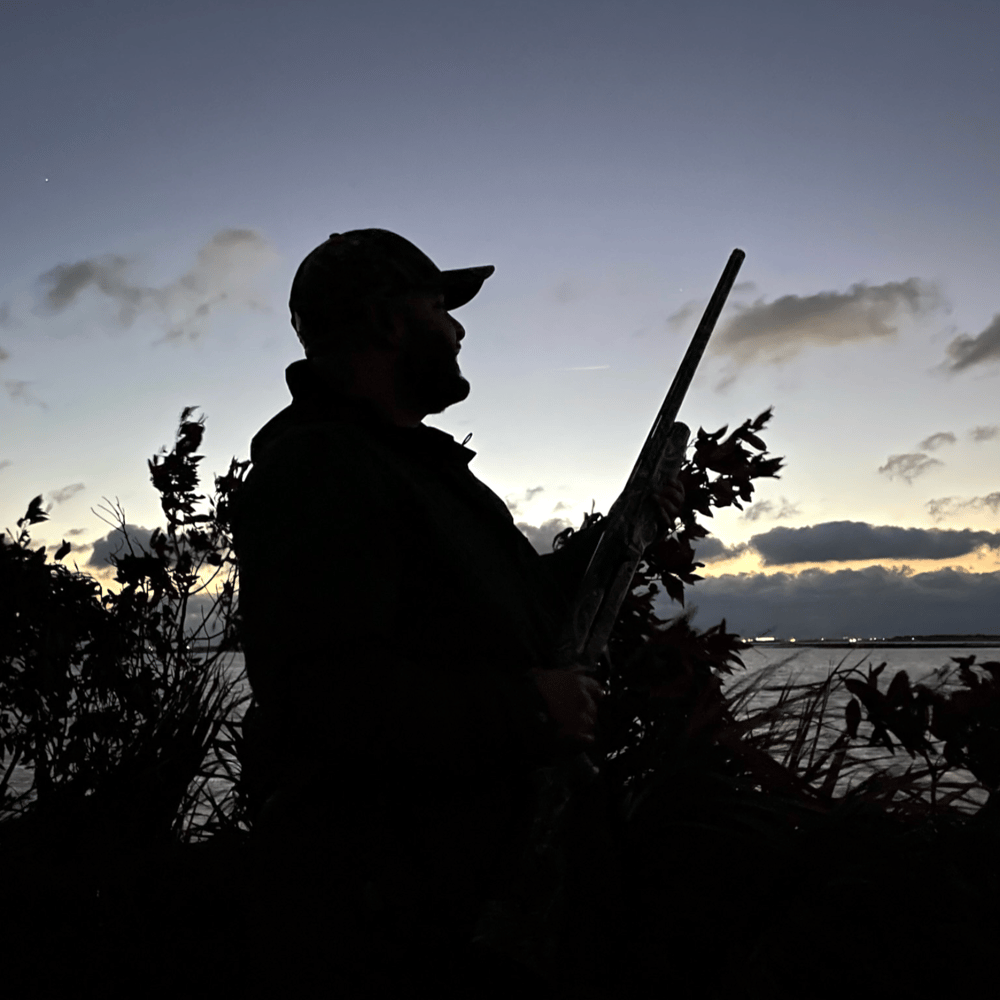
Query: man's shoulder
{"x":289,"y":440}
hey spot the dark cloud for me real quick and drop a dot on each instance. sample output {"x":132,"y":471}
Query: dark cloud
{"x":770,"y":510}
{"x":979,"y":434}
{"x":5,"y":462}
{"x":872,"y":601}
{"x":844,"y":541}
{"x":224,"y":273}
{"x":710,"y":550}
{"x":965,"y":351}
{"x":4,"y":355}
{"x":776,"y":331}
{"x":950,"y":506}
{"x":936,"y":440}
{"x":113,"y":543}
{"x":541,"y":536}
{"x":908,"y":466}
{"x":61,"y":496}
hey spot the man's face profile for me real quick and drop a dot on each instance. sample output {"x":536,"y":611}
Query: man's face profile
{"x":428,"y":374}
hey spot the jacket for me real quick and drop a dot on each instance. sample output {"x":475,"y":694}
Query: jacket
{"x":391,"y":611}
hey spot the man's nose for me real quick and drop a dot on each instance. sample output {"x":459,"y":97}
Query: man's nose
{"x":459,"y":330}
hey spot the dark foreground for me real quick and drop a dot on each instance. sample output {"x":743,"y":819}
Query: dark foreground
{"x":720,"y":903}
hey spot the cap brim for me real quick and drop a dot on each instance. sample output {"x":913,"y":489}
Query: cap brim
{"x":462,"y":284}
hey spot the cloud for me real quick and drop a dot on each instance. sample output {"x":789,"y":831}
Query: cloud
{"x":224,"y":273}
{"x":541,"y":536}
{"x":980,"y":434}
{"x":908,"y":466}
{"x":686,"y":311}
{"x":950,"y":506}
{"x":777,"y":331}
{"x":768,"y":509}
{"x":4,"y":355}
{"x":710,"y":550}
{"x":843,"y":541}
{"x":5,"y":462}
{"x":113,"y":543}
{"x":965,"y":351}
{"x":514,"y":506}
{"x":873,"y":601}
{"x":567,"y":290}
{"x":19,"y":391}
{"x":936,"y":440}
{"x":61,"y":496}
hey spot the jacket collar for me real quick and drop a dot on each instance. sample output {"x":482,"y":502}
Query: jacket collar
{"x":314,"y":399}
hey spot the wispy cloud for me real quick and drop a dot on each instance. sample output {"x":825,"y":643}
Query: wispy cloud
{"x":965,"y":351}
{"x":66,"y":493}
{"x":19,"y":391}
{"x":224,"y":274}
{"x":980,"y":434}
{"x":770,"y":510}
{"x":514,"y":503}
{"x":777,"y":331}
{"x":943,"y":507}
{"x":936,"y":440}
{"x":908,"y":466}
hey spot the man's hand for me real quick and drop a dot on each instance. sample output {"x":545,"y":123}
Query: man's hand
{"x":571,"y":696}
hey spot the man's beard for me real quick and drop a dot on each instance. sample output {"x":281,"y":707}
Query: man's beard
{"x":429,"y":377}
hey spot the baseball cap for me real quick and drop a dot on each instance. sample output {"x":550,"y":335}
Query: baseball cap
{"x":351,"y":266}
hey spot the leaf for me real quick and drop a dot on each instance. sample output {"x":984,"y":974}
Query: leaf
{"x":35,"y":514}
{"x":63,"y":550}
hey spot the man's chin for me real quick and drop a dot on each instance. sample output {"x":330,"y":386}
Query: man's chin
{"x":456,"y":392}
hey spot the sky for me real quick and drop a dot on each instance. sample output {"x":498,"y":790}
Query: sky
{"x":166,"y":168}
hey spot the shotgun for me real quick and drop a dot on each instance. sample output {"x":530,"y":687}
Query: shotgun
{"x":528,"y":924}
{"x":631,"y":525}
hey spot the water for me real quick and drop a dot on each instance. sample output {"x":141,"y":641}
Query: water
{"x":809,"y":664}
{"x":800,"y":665}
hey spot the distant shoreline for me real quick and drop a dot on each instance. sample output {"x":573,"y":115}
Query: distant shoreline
{"x":870,"y":644}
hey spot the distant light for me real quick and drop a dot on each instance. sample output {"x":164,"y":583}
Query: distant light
{"x":791,"y":640}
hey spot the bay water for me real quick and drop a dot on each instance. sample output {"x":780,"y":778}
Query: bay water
{"x":776,"y":666}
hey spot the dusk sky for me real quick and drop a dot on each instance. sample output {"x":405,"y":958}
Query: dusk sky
{"x":166,"y":168}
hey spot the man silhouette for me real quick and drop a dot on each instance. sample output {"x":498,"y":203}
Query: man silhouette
{"x":399,"y":638}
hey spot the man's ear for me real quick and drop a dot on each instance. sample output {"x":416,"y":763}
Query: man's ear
{"x":387,"y":319}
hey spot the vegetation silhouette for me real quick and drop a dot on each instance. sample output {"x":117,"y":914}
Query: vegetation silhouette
{"x":767,"y":846}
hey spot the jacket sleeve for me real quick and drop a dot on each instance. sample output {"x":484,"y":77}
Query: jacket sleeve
{"x":319,"y":592}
